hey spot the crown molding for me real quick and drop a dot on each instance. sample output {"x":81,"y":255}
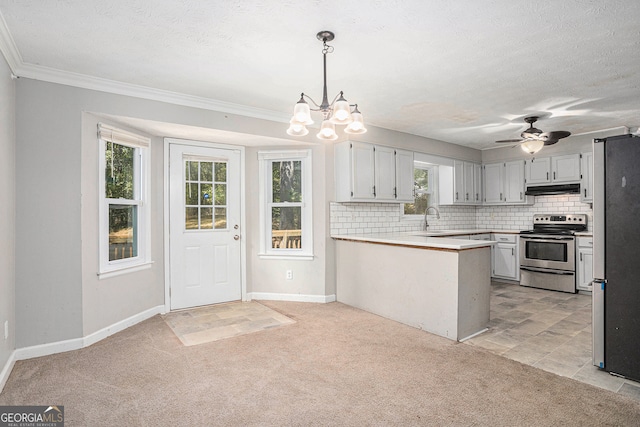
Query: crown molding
{"x":84,"y":81}
{"x":8,"y":47}
{"x":21,"y":69}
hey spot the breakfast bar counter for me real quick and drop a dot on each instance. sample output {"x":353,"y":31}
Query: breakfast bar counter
{"x":438,"y":284}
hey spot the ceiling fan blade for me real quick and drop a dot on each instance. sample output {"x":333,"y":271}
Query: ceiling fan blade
{"x":550,"y":136}
{"x":509,"y":140}
{"x":550,"y":141}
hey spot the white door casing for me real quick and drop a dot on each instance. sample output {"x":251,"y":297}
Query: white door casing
{"x":204,"y":254}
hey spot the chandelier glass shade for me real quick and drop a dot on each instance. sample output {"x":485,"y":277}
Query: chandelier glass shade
{"x":337,"y":112}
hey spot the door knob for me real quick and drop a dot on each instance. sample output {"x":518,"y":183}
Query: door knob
{"x":236,"y":237}
{"x":235,"y":227}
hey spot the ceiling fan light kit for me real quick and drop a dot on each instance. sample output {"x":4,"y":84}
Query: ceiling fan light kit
{"x":336,"y":112}
{"x":533,"y":139}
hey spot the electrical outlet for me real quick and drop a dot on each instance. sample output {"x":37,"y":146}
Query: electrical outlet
{"x":6,"y":329}
{"x":289,"y":274}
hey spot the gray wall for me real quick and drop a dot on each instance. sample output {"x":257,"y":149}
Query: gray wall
{"x":309,"y":277}
{"x":7,"y":211}
{"x":107,"y":301}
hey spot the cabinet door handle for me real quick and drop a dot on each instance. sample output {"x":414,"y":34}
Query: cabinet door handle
{"x":374,"y":191}
{"x":581,"y":257}
{"x":466,"y":197}
{"x":585,"y":192}
{"x":500,"y":196}
{"x":554,"y":175}
{"x":512,"y":252}
{"x":395,"y":192}
{"x":476,"y":197}
{"x":521,"y":195}
{"x":547,"y":176}
{"x":456,"y":195}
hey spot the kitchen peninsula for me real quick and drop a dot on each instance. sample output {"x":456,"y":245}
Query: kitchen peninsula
{"x":438,"y":284}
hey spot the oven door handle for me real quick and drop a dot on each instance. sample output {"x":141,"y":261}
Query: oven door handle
{"x":545,"y":271}
{"x":546,"y":238}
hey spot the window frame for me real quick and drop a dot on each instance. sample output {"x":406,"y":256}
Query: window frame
{"x":433,"y":188}
{"x":265,"y":160}
{"x":141,"y":199}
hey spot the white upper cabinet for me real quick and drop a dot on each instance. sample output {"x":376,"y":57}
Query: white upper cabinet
{"x":384,"y":173}
{"x":372,"y":173}
{"x":555,"y":169}
{"x":493,"y":183}
{"x":404,"y":176}
{"x":538,"y":170}
{"x":586,"y":177}
{"x":362,"y":171}
{"x":504,"y":183}
{"x":514,"y":182}
{"x":566,"y":168}
{"x":477,"y":183}
{"x":460,"y":185}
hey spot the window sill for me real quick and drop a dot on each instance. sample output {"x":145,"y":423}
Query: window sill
{"x":305,"y":257}
{"x":125,"y":270}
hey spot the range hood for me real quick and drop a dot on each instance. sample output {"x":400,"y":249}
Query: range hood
{"x":545,"y":190}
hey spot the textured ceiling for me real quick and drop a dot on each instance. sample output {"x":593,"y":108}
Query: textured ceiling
{"x":466,"y":71}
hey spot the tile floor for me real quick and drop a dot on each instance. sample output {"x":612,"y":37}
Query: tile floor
{"x":215,"y":322}
{"x":549,"y":330}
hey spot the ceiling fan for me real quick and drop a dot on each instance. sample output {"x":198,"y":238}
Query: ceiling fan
{"x":533,"y":139}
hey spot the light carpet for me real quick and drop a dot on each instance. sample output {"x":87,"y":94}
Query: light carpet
{"x":336,"y":366}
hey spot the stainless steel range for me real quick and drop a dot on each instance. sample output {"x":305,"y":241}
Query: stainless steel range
{"x":548,"y":252}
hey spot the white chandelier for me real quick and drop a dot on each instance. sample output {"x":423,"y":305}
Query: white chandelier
{"x":338,"y":112}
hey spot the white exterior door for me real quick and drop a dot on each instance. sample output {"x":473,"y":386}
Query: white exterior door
{"x":204,"y":226}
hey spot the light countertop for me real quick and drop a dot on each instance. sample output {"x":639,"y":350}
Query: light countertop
{"x":421,"y":238}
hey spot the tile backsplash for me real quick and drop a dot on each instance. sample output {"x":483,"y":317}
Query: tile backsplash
{"x":352,"y":218}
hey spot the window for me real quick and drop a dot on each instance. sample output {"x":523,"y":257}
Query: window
{"x":124,"y":208}
{"x":285,"y":204}
{"x":205,"y":194}
{"x":424,"y":188}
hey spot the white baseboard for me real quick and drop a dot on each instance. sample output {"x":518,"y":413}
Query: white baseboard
{"x":78,"y":343}
{"x":122,"y":325}
{"x":6,"y":371}
{"x":268,"y":296}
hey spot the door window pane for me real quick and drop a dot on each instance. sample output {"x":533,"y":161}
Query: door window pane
{"x":191,"y":171}
{"x":123,"y":232}
{"x":206,"y":218}
{"x":191,"y":193}
{"x":221,"y":218}
{"x":206,"y":171}
{"x":205,"y":194}
{"x":221,"y":172}
{"x":191,"y":219}
{"x":119,"y":171}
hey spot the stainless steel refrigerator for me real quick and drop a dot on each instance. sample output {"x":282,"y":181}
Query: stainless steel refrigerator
{"x":616,"y":255}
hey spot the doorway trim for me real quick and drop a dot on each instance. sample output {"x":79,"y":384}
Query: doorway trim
{"x":243,"y":222}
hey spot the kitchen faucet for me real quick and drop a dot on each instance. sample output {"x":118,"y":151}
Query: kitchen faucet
{"x":426,"y":223}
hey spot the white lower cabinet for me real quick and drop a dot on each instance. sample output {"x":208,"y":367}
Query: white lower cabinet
{"x":505,"y":257}
{"x":480,"y":236}
{"x":584,"y":263}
